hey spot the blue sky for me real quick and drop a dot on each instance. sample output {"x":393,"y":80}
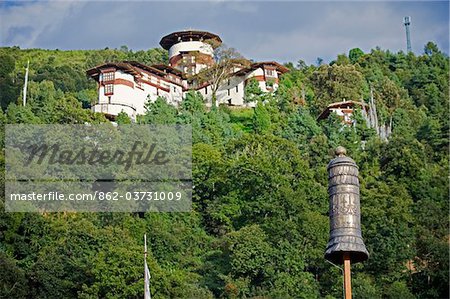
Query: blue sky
{"x":260,"y":30}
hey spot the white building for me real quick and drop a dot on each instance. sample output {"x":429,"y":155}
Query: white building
{"x":127,"y":86}
{"x":344,"y":110}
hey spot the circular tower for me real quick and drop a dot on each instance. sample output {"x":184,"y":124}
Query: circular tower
{"x":190,"y":51}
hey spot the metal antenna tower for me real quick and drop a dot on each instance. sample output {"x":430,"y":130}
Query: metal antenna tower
{"x":407,"y":22}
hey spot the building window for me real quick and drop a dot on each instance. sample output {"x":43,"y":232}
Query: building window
{"x":237,"y":88}
{"x":228,"y":92}
{"x":108,"y":76}
{"x":270,"y":73}
{"x":109,"y":89}
{"x":206,"y":90}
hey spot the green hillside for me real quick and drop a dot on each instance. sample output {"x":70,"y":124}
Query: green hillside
{"x":259,"y":224}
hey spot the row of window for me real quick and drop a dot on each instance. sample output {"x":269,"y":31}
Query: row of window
{"x":190,"y":58}
{"x":109,"y":88}
{"x":108,"y":76}
{"x":228,"y":91}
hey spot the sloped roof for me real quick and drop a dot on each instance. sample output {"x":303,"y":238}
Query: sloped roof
{"x":326,"y":112}
{"x":187,"y":35}
{"x":125,"y":66}
{"x":168,"y":69}
{"x":281,"y":68}
{"x":134,"y":68}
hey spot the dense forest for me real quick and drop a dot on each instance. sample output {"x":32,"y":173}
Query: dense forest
{"x":259,"y":223}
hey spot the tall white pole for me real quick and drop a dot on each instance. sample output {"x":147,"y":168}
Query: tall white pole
{"x":145,"y":246}
{"x":147,"y":294}
{"x":25,"y":85}
{"x":145,"y":266}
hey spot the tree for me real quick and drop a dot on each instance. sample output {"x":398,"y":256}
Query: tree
{"x":252,"y":91}
{"x":12,"y":278}
{"x":192,"y":103}
{"x":354,"y":54}
{"x":226,"y":60}
{"x":149,"y":57}
{"x":159,"y":112}
{"x":261,"y":119}
{"x":342,"y":59}
{"x":259,"y":220}
{"x":249,"y":253}
{"x":123,"y":118}
{"x":19,"y":114}
{"x":337,"y":83}
{"x":8,"y":89}
{"x":301,"y":64}
{"x":431,"y":48}
{"x":398,"y":290}
{"x":319,"y":61}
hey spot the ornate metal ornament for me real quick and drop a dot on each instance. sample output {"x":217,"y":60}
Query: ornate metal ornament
{"x":345,"y":215}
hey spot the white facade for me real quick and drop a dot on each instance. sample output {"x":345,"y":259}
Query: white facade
{"x":230,"y":93}
{"x":119,"y":90}
{"x":130,"y":94}
{"x":191,"y":57}
{"x":129,"y":86}
{"x":269,"y":82}
{"x":345,"y":114}
{"x":191,"y":46}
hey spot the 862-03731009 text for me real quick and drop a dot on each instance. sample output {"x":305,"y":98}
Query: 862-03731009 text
{"x":98,"y":195}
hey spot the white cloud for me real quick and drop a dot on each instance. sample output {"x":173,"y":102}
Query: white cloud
{"x":337,"y":28}
{"x":24,"y":24}
{"x":285,"y":31}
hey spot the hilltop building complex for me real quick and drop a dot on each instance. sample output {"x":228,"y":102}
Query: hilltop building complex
{"x":127,"y":86}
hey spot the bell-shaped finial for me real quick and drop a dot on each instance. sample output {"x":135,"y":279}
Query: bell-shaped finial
{"x":344,"y":210}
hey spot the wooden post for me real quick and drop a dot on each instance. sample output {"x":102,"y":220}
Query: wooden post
{"x":347,"y":276}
